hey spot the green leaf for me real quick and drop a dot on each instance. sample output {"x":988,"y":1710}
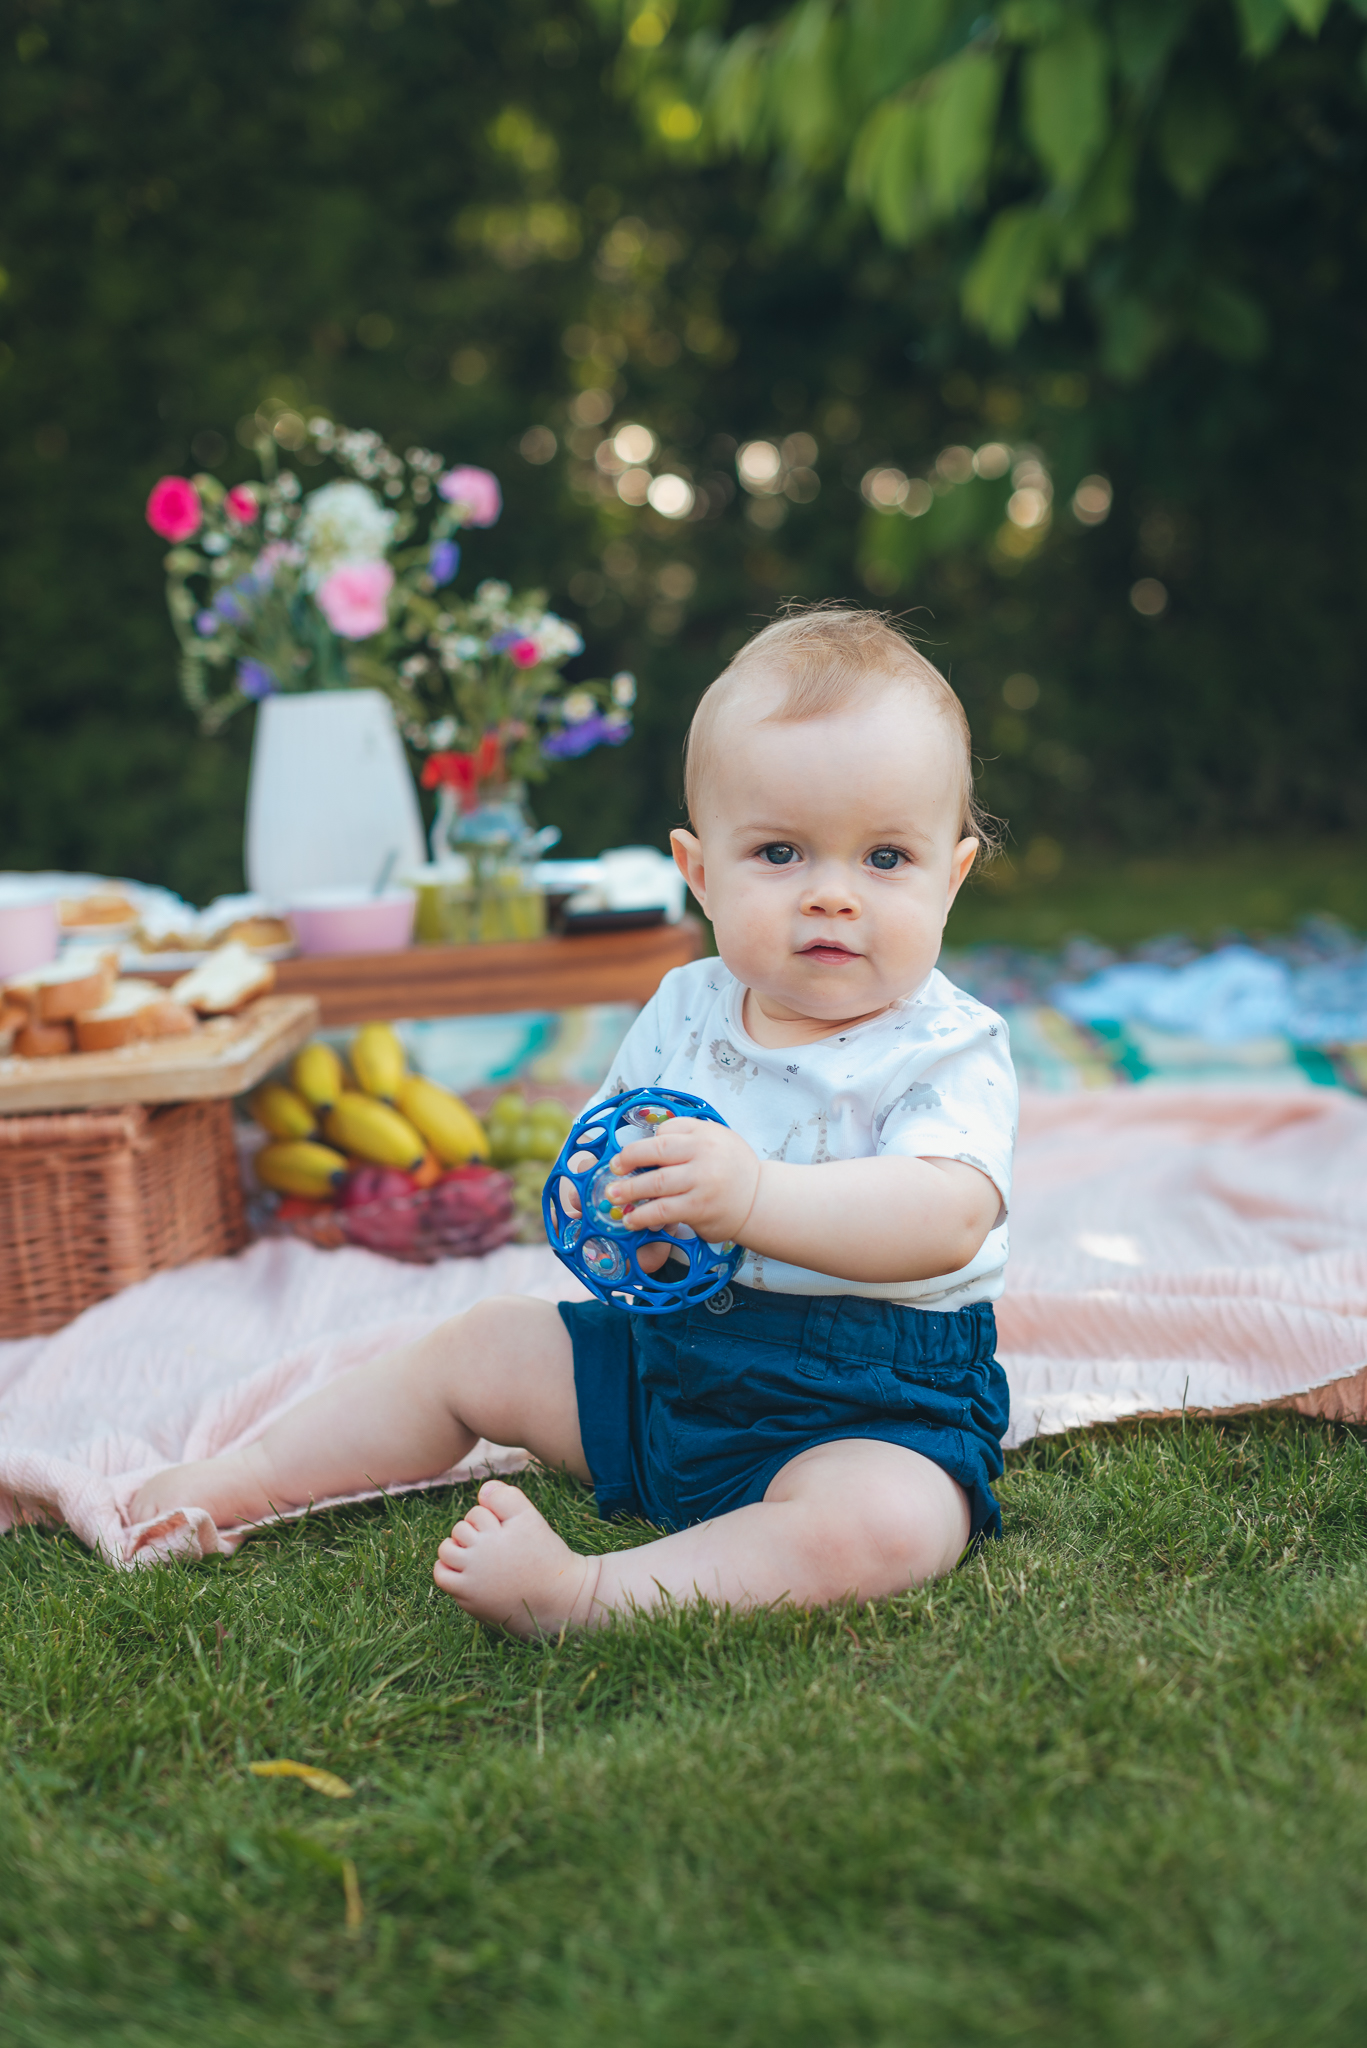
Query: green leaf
{"x":1143,"y":33}
{"x":1229,"y":322}
{"x":1014,"y":261}
{"x":961,"y":128}
{"x":1307,"y":14}
{"x":891,"y":43}
{"x":737,"y":98}
{"x":1264,"y":23}
{"x":887,"y":169}
{"x":1031,"y":21}
{"x":1105,"y":205}
{"x":919,"y":158}
{"x":1197,"y":136}
{"x":802,"y":82}
{"x":1066,"y":103}
{"x":1133,"y":331}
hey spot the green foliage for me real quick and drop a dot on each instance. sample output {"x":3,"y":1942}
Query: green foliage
{"x":1060,"y":133}
{"x":1105,"y":1783}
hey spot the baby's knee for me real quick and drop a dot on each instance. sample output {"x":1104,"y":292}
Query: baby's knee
{"x":887,"y":1538}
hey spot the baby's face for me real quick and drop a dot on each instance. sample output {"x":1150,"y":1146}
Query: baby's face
{"x":828,"y":852}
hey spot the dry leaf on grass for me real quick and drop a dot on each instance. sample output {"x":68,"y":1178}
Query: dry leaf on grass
{"x":331,"y":1786}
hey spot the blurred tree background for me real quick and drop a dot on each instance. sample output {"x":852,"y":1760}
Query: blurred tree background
{"x":1042,"y":324}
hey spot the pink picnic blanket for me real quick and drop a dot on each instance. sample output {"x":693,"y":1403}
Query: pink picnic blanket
{"x":1171,"y":1248}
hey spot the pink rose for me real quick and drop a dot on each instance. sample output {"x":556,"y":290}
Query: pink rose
{"x":174,"y":510}
{"x":241,"y":504}
{"x":474,"y":492}
{"x":525,"y":653}
{"x":354,"y":599}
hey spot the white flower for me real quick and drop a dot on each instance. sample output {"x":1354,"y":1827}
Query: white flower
{"x":491,"y":594}
{"x":343,"y":523}
{"x":624,"y":687}
{"x":215,"y":543}
{"x":415,"y":666}
{"x":555,"y":637}
{"x":441,"y":732}
{"x":287,"y":484}
{"x":578,"y":706}
{"x":467,"y":647}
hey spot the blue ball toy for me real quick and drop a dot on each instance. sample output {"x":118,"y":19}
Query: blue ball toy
{"x":597,"y":1246}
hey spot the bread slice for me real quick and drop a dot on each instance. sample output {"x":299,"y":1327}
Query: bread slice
{"x":38,"y":1041}
{"x":223,"y":983}
{"x":81,"y":980}
{"x":136,"y":1010}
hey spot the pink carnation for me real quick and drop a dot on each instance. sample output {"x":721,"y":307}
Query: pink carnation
{"x":474,"y":492}
{"x":354,"y":599}
{"x":241,"y":504}
{"x":525,"y":653}
{"x":174,"y":510}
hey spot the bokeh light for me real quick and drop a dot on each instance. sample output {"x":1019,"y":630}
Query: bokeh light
{"x":1149,"y":597}
{"x":759,"y":464}
{"x":1092,"y":500}
{"x":672,"y":496}
{"x":634,"y":443}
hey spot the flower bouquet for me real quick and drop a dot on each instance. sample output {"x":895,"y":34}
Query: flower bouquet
{"x":274,"y":588}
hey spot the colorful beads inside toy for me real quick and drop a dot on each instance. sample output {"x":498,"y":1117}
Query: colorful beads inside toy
{"x":598,"y":1206}
{"x":605,"y":1260}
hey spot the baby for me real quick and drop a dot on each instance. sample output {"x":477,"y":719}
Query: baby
{"x":829,"y":1425}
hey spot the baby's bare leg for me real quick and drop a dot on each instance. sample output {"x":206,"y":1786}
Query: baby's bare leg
{"x":503,"y":1370}
{"x":855,"y":1518}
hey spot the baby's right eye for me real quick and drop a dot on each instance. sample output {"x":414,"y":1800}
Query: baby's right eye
{"x":779,"y":854}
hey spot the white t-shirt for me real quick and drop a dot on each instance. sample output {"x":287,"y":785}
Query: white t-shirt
{"x":930,"y":1078}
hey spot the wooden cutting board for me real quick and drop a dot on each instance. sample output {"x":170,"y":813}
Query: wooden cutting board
{"x":223,"y":1057}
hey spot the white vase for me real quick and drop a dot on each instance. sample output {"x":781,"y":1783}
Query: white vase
{"x":331,"y":798}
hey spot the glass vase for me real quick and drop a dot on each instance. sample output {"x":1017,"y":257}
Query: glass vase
{"x":481,"y":886}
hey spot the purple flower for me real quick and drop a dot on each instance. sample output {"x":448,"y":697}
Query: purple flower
{"x":499,"y":643}
{"x":443,"y":561}
{"x":206,"y":623}
{"x":229,"y":606}
{"x":255,"y":681}
{"x":589,"y":733}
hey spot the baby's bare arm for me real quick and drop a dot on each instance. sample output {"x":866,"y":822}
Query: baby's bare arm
{"x":886,"y":1219}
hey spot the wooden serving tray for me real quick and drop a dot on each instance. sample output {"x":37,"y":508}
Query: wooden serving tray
{"x":225,"y":1056}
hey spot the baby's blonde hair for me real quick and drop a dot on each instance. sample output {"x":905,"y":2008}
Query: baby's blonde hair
{"x":828,"y":655}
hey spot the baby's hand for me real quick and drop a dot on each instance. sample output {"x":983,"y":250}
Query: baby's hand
{"x":697,"y":1173}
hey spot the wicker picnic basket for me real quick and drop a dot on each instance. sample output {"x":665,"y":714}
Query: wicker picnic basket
{"x":93,"y":1199}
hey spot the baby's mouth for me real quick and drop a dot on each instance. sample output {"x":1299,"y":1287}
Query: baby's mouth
{"x":830,"y":951}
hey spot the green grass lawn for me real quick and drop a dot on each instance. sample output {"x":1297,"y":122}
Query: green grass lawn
{"x":1042,"y":894}
{"x":1108,"y":1784}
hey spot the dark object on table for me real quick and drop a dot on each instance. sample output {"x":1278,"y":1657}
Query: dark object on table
{"x":571,"y":921}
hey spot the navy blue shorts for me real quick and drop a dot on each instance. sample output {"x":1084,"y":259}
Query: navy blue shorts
{"x":686,"y":1416}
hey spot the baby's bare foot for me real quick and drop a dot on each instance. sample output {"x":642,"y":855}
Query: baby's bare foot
{"x":225,"y":1488}
{"x":505,"y":1564}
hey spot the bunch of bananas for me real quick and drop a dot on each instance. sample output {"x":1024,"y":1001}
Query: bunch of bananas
{"x":325,"y":1124}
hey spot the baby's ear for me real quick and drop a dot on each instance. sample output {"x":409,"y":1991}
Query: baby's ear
{"x":687,"y":850}
{"x":962,"y":859}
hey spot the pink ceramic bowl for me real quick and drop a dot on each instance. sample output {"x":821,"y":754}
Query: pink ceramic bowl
{"x":28,"y":929}
{"x":353,"y":921}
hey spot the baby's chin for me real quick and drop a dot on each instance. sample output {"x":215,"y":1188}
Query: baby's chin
{"x":829,"y":991}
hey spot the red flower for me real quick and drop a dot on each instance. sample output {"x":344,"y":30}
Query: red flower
{"x":525,"y":653}
{"x":464,"y":772}
{"x":241,"y":504}
{"x":173,"y":509}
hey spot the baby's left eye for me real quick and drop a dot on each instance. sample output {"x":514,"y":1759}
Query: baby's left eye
{"x":885,"y":858}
